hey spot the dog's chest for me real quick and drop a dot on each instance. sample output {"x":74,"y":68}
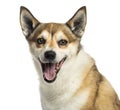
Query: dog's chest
{"x":62,"y":102}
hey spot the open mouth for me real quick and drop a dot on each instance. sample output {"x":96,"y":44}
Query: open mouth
{"x":50,"y":70}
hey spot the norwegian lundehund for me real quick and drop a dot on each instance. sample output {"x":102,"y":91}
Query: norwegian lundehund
{"x":69,"y":78}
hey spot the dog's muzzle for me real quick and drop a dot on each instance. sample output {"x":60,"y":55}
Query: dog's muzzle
{"x":51,"y":68}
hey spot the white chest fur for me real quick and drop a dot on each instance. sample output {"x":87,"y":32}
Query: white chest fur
{"x":60,"y":103}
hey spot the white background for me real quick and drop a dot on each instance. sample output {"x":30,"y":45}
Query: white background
{"x":19,"y":86}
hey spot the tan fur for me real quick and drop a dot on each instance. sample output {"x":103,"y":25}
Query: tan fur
{"x":102,"y":96}
{"x":78,"y":84}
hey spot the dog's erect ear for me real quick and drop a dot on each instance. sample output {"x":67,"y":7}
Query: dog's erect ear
{"x":27,"y":21}
{"x":78,"y":22}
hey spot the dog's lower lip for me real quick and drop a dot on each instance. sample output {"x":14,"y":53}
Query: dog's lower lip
{"x":50,"y":70}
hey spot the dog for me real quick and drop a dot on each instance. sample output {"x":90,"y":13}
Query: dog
{"x":69,"y":78}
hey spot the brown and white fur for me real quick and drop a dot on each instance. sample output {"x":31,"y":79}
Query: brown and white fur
{"x":69,"y":78}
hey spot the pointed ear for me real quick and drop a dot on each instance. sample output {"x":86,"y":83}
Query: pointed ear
{"x":27,"y":21}
{"x":78,"y":22}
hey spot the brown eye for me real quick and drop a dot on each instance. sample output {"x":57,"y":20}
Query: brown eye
{"x":41,"y":41}
{"x":62,"y":42}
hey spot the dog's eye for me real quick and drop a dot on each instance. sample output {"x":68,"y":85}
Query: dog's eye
{"x":41,"y":41}
{"x":62,"y":42}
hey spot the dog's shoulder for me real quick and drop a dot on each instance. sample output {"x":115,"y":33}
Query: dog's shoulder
{"x":107,"y":97}
{"x":102,"y":96}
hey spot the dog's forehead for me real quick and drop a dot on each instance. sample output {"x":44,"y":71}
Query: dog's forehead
{"x":54,"y":29}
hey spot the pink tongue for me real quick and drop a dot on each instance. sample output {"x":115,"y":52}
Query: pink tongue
{"x":49,"y":72}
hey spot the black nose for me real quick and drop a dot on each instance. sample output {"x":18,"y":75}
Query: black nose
{"x":50,"y":55}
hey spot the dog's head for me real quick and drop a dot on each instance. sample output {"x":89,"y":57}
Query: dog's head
{"x":52,"y":44}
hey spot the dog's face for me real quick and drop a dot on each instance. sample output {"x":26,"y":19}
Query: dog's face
{"x":52,"y":44}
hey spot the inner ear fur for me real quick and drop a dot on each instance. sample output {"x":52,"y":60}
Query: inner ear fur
{"x":78,"y":22}
{"x":27,"y":21}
